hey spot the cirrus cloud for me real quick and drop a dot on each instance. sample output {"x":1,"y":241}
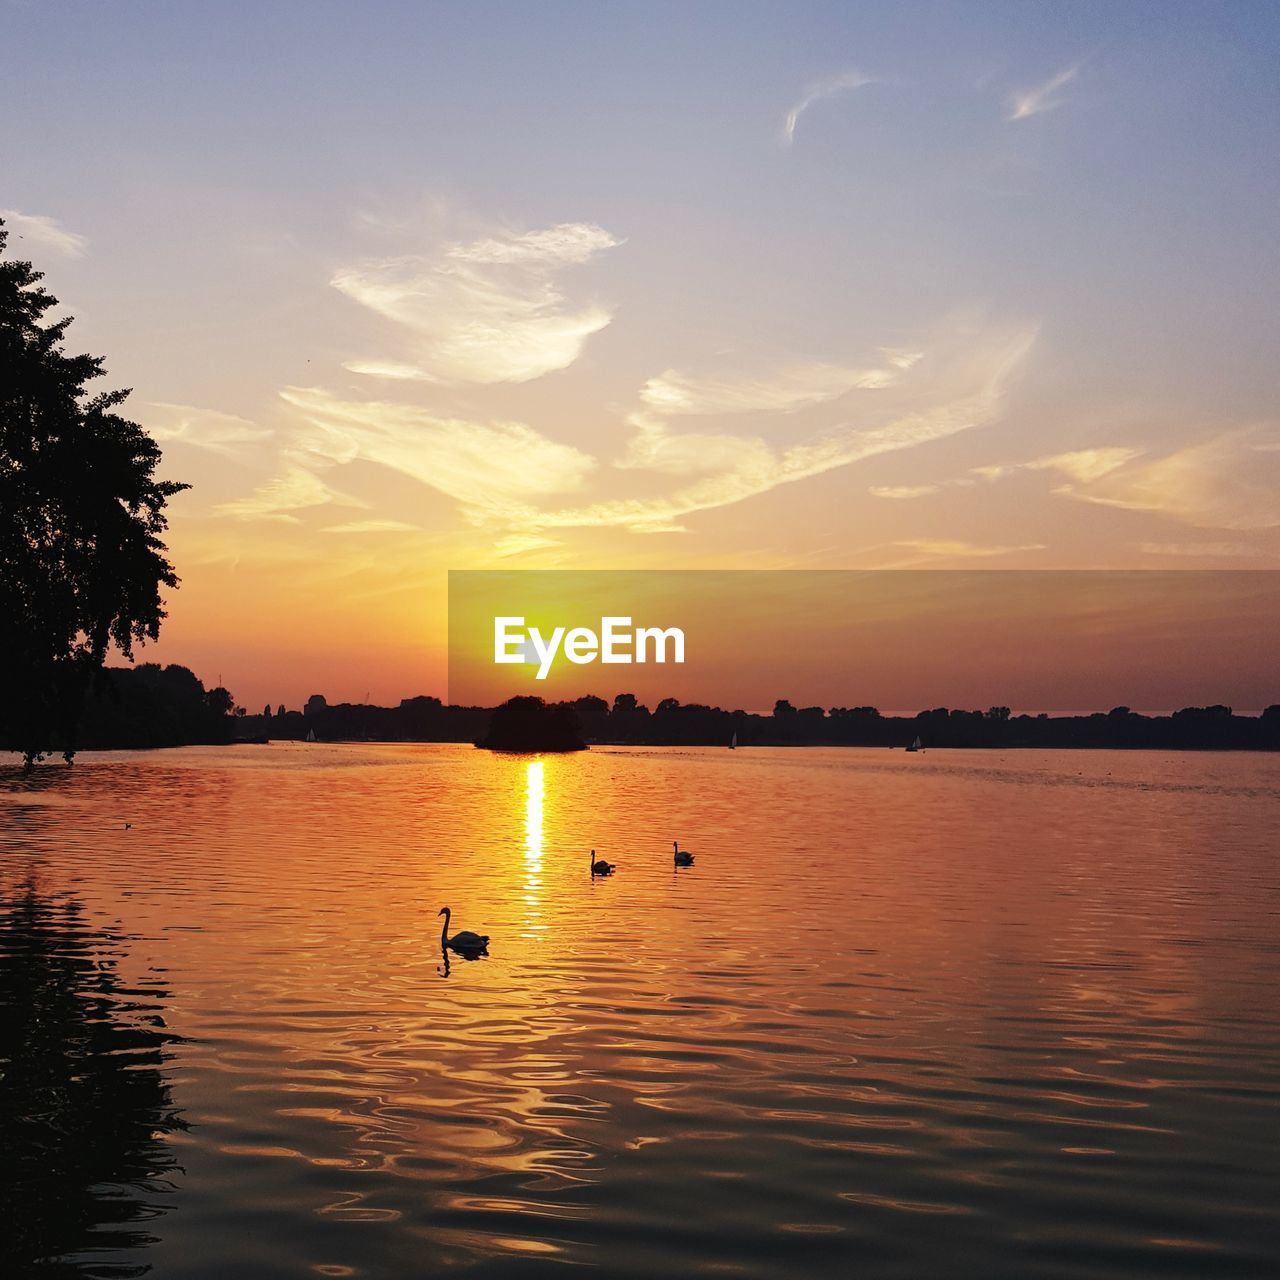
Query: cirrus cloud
{"x":486,"y":311}
{"x":831,"y":87}
{"x":797,"y":386}
{"x":490,"y":468}
{"x":958,"y":549}
{"x":283,"y":496}
{"x":42,"y":232}
{"x":223,"y":433}
{"x":1040,"y":98}
{"x":1228,"y":481}
{"x":958,"y":386}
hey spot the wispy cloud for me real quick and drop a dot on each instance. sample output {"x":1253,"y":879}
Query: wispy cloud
{"x":371,"y":526}
{"x":518,"y":544}
{"x":816,"y":92}
{"x":486,"y":311}
{"x":390,"y":370}
{"x":281,"y":498}
{"x":1228,"y":481}
{"x":953,"y":549}
{"x":503,"y":474}
{"x":674,"y":393}
{"x":490,"y":468}
{"x":491,"y":309}
{"x":1084,"y":466}
{"x":956,"y":387}
{"x":205,"y":428}
{"x":902,"y":491}
{"x":1041,"y":98}
{"x":1081,"y":465}
{"x":42,"y":232}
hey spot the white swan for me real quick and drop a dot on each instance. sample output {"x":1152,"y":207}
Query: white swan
{"x":682,"y":857}
{"x":601,"y":867}
{"x":464,"y":943}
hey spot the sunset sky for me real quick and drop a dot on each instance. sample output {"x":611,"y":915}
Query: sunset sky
{"x":405,"y":288}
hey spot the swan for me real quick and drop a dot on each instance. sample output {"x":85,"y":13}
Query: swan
{"x":682,"y":857}
{"x":601,"y":868}
{"x":465,"y":943}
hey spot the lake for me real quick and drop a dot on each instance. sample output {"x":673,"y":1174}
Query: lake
{"x":1004,"y":1014}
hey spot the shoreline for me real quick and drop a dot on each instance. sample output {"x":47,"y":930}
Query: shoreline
{"x":656,"y":746}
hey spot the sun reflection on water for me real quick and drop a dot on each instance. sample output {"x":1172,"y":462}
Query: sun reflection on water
{"x":533,"y":843}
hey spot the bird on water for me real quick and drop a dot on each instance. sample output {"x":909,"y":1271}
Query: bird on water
{"x":682,"y":857}
{"x":599,"y":867}
{"x":464,"y":943}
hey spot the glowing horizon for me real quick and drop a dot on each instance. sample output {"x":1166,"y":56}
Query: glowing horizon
{"x":855,"y":291}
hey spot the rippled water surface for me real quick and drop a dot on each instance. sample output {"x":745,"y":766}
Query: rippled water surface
{"x":956,"y":1014}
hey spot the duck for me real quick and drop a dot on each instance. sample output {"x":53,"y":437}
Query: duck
{"x":465,"y":943}
{"x":601,"y":867}
{"x":682,"y":857}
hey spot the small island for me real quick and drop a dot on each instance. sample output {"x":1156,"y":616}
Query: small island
{"x":528,"y":724}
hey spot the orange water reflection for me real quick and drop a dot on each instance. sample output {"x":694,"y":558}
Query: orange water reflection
{"x":533,"y":793}
{"x":1014,"y":1005}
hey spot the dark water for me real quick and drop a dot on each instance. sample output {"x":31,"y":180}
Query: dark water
{"x":956,"y":1014}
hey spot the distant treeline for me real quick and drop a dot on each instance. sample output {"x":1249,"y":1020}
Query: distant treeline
{"x":672,"y":723}
{"x":153,"y":706}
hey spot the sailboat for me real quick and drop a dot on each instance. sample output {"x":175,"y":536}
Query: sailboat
{"x":916,"y":745}
{"x":733,"y":742}
{"x":311,"y":735}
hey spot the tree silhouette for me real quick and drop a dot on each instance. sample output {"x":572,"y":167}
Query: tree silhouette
{"x":81,"y":514}
{"x":219,"y":701}
{"x":153,"y":706}
{"x":529,"y":724}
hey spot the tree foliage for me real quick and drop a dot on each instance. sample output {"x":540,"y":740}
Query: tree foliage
{"x":529,"y":724}
{"x":82,"y":562}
